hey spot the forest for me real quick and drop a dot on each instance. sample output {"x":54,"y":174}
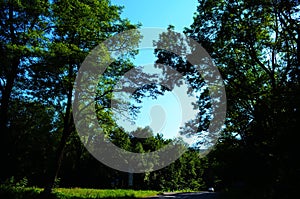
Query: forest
{"x":254,"y":44}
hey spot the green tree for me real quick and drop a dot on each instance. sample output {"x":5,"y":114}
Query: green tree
{"x":256,"y":47}
{"x":22,"y":29}
{"x":194,"y":68}
{"x":31,"y":132}
{"x":78,"y":27}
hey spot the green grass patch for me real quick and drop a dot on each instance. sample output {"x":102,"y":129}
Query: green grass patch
{"x":74,"y":193}
{"x":103,"y":193}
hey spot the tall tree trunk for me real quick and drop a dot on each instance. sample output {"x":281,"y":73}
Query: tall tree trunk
{"x":4,"y":118}
{"x":6,"y":94}
{"x":58,"y":158}
{"x":12,"y":73}
{"x":67,"y":130}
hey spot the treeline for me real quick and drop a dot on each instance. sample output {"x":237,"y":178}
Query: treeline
{"x":32,"y":157}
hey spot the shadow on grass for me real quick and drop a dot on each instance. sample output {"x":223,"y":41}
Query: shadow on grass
{"x":194,"y":195}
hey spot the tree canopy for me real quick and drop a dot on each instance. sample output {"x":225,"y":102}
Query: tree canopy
{"x":254,"y":45}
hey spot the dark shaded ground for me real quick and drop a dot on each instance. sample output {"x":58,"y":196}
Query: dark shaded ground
{"x":202,"y":195}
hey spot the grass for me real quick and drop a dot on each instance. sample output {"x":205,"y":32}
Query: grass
{"x":104,"y":193}
{"x":74,"y":193}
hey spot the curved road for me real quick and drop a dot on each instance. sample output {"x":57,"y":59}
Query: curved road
{"x":200,"y":195}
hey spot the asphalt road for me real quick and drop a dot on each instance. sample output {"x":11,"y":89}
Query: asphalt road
{"x":200,"y":195}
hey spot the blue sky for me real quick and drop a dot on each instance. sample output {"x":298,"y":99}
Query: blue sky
{"x":159,"y":13}
{"x":164,"y":115}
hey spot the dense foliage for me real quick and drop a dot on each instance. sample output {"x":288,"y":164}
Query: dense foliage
{"x":255,"y":45}
{"x":43,"y":44}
